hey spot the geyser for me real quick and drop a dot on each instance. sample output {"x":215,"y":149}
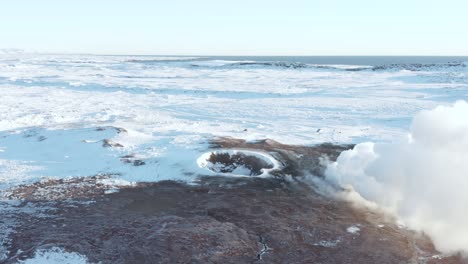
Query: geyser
{"x":238,"y":162}
{"x":423,"y":179}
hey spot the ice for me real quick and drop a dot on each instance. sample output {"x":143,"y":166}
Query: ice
{"x":32,"y":154}
{"x":15,"y":172}
{"x":170,"y":107}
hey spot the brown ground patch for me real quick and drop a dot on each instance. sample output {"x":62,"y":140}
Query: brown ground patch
{"x":225,"y":220}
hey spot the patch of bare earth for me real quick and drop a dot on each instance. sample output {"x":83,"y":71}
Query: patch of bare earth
{"x":220,"y":220}
{"x":61,"y":189}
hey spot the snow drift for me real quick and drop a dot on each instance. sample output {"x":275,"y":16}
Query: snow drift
{"x":423,"y":180}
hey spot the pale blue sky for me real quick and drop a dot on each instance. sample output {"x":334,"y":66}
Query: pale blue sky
{"x":237,"y":27}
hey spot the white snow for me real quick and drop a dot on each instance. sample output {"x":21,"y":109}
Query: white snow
{"x":169,"y":108}
{"x":328,"y":244}
{"x":354,"y":229}
{"x":56,"y":255}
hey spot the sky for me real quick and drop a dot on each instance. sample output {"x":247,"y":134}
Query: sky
{"x":237,"y":27}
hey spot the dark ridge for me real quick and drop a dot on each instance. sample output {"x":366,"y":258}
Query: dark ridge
{"x":154,"y":61}
{"x":418,"y":66}
{"x":291,"y":65}
{"x":301,"y":65}
{"x":284,"y":65}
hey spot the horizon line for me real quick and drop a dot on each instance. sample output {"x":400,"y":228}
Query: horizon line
{"x":20,"y":51}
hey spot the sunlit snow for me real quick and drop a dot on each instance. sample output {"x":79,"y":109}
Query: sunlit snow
{"x":147,"y":118}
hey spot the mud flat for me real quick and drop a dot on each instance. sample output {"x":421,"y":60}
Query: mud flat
{"x":221,"y":219}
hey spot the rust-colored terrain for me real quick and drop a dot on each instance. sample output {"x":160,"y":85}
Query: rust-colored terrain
{"x":281,"y":219}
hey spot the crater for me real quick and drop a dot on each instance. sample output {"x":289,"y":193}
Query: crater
{"x":238,"y":162}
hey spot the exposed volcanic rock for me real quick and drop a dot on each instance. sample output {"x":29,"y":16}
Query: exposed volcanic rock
{"x":255,"y":165}
{"x":118,"y":129}
{"x":297,"y":160}
{"x":238,"y":162}
{"x":109,"y":143}
{"x":224,"y":220}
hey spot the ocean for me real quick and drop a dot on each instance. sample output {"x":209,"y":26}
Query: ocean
{"x":350,"y":60}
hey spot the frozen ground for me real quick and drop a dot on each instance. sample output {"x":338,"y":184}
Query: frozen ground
{"x":130,"y":119}
{"x":56,"y":111}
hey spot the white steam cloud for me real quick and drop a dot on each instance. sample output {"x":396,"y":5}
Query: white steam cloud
{"x":424,"y":180}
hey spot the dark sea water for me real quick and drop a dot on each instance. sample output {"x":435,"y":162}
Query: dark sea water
{"x":351,"y":60}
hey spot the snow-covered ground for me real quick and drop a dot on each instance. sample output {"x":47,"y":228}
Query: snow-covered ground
{"x":56,"y":256}
{"x":150,"y":118}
